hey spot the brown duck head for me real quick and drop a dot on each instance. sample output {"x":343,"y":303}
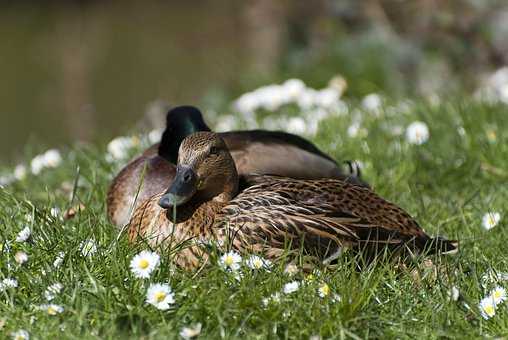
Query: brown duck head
{"x":205,"y":171}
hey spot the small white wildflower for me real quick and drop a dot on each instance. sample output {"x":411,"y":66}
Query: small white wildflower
{"x":296,"y":125}
{"x":59,"y":259}
{"x":257,"y":262}
{"x":231,"y":260}
{"x":306,"y":100}
{"x":498,"y":294}
{"x":49,"y":159}
{"x":20,"y":172}
{"x":226,"y":123}
{"x":8,"y":283}
{"x":326,"y":98}
{"x":291,"y":269}
{"x":52,"y":309}
{"x":417,"y":133}
{"x":118,"y":148}
{"x":487,"y":307}
{"x":191,"y":332}
{"x":37,"y":164}
{"x":5,"y":181}
{"x":454,"y":293}
{"x":23,"y":235}
{"x":293,"y":88}
{"x":324,"y":290}
{"x":372,"y":102}
{"x":291,"y":287}
{"x":88,"y":247}
{"x":52,"y":291}
{"x":155,"y":136}
{"x":160,"y":296}
{"x":20,"y":257}
{"x":144,"y":263}
{"x":490,"y":220}
{"x":52,"y":158}
{"x":20,"y":334}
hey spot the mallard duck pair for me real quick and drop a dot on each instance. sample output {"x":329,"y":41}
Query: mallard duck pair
{"x":274,"y":216}
{"x":254,"y":151}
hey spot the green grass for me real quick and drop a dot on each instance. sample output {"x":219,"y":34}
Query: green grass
{"x":447,"y":183}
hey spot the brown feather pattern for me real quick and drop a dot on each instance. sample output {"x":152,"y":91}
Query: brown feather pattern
{"x":319,"y":216}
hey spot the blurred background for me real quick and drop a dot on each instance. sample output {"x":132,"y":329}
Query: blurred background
{"x":91,"y":70}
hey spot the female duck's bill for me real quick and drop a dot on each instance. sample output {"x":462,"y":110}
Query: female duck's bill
{"x":182,"y":189}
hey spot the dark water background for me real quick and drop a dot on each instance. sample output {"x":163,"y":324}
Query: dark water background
{"x":88,"y":70}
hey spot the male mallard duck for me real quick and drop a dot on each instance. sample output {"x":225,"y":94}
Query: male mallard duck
{"x":273,"y":215}
{"x":254,"y":151}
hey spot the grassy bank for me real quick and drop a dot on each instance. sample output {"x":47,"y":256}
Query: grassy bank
{"x":449,"y":182}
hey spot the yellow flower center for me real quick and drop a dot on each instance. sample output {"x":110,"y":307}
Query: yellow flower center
{"x":160,"y":296}
{"x":258,"y":263}
{"x":143,"y":264}
{"x":492,"y":221}
{"x":325,"y":289}
{"x":228,"y":261}
{"x":489,"y":310}
{"x":51,"y":310}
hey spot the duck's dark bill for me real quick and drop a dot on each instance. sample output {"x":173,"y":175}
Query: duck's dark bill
{"x":181,"y":190}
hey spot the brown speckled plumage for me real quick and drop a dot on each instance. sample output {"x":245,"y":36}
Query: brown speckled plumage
{"x":276,"y":213}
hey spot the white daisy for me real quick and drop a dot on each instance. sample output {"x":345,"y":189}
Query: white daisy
{"x":88,"y":247}
{"x":160,"y":296}
{"x":20,"y":172}
{"x":417,"y":133}
{"x":487,"y":307}
{"x":257,"y":262}
{"x":144,"y":263}
{"x":191,"y":332}
{"x":20,"y":257}
{"x":155,"y":136}
{"x":119,"y":147}
{"x":291,"y":287}
{"x":59,"y":259}
{"x":37,"y":164}
{"x":490,"y":220}
{"x":296,"y":125}
{"x":8,"y":283}
{"x":52,"y":291}
{"x":52,"y":309}
{"x":23,"y":235}
{"x":324,"y":290}
{"x":498,"y":294}
{"x":454,"y":293}
{"x":372,"y":102}
{"x":231,"y":260}
{"x":20,"y":334}
{"x":52,"y":158}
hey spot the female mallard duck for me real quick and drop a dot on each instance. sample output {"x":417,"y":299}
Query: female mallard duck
{"x":272,"y":216}
{"x":255,"y":151}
